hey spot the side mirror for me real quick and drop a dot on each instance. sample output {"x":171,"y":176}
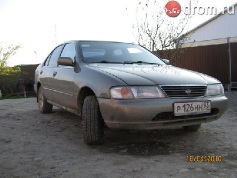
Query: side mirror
{"x":65,"y":61}
{"x":166,"y":61}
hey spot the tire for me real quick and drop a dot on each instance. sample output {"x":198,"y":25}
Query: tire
{"x":44,"y":106}
{"x":192,"y":128}
{"x":92,"y":122}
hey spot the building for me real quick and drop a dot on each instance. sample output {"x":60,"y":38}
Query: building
{"x":211,"y":47}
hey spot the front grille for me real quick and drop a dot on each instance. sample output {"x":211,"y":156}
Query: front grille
{"x":184,"y":91}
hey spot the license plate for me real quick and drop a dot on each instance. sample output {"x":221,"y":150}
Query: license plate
{"x":192,"y":108}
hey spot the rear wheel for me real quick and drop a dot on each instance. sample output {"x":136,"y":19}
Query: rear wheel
{"x":92,"y":122}
{"x":192,"y":127}
{"x":44,"y":106}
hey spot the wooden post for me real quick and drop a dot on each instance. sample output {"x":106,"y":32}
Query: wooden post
{"x":230,"y":64}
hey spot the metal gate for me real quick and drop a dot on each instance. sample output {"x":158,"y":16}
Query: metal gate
{"x":217,"y":58}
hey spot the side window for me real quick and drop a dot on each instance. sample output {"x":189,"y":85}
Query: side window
{"x":54,"y":56}
{"x":69,"y":51}
{"x":46,"y":62}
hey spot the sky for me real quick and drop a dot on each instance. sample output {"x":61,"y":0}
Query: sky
{"x":39,"y":25}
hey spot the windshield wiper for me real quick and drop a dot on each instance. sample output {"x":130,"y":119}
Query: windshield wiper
{"x":104,"y":61}
{"x":139,"y":62}
{"x":128,"y":62}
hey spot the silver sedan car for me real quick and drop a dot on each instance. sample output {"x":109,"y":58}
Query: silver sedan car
{"x":125,"y":86}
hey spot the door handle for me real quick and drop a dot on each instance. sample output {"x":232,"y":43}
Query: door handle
{"x":41,"y":72}
{"x":55,"y":73}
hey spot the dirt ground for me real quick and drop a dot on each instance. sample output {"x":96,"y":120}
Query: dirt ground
{"x":45,"y":146}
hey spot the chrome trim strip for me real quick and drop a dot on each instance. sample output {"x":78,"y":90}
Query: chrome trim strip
{"x":185,"y":85}
{"x":53,"y":90}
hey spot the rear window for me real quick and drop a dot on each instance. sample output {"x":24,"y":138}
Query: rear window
{"x":91,"y":52}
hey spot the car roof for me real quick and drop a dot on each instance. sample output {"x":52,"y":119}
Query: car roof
{"x":96,"y":41}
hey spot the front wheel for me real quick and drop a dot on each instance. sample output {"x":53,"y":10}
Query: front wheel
{"x":44,"y":106}
{"x":192,"y":128}
{"x":92,"y":123}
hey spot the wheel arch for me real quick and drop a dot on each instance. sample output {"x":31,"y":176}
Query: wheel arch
{"x":37,"y":89}
{"x":84,"y":92}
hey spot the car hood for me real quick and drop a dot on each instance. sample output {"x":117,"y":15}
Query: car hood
{"x":140,"y":74}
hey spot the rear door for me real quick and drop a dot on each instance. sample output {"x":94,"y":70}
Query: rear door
{"x":47,"y":73}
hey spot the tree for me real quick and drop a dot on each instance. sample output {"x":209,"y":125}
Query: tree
{"x":8,"y":75}
{"x":5,"y":53}
{"x":158,"y":32}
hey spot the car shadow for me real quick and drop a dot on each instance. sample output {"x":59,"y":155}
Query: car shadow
{"x":155,"y":142}
{"x":151,"y":142}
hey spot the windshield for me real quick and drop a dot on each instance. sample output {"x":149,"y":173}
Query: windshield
{"x":112,"y":52}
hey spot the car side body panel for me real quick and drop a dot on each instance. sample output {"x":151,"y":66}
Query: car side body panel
{"x":65,"y":90}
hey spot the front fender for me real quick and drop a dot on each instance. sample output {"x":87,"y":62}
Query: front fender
{"x":97,"y":80}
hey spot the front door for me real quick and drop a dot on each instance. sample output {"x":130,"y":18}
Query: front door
{"x":66,"y":93}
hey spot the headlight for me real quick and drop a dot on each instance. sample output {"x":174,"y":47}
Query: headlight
{"x":216,"y":89}
{"x":136,"y":92}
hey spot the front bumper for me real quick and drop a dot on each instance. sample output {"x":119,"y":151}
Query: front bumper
{"x":144,"y":114}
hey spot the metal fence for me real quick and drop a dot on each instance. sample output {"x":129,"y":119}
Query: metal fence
{"x":217,"y":58}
